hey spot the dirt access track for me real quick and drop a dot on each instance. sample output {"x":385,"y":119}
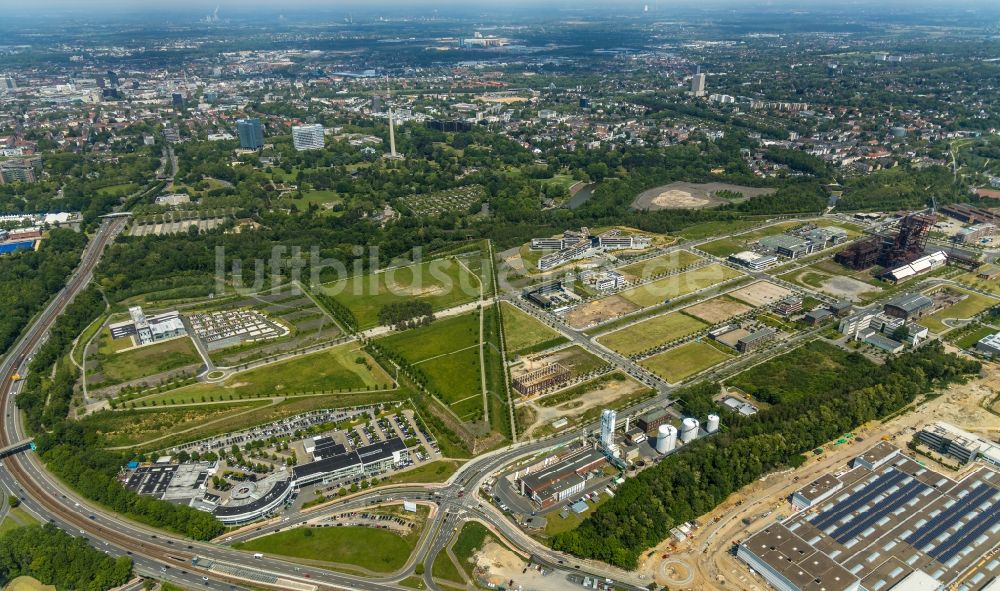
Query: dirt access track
{"x":683,"y":195}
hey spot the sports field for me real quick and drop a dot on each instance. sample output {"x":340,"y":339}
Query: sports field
{"x":651,"y":333}
{"x":442,"y":282}
{"x":523,"y":332}
{"x":377,"y":550}
{"x":446,"y":352}
{"x":682,"y":362}
{"x":674,"y":286}
{"x":667,"y":262}
{"x":340,"y":368}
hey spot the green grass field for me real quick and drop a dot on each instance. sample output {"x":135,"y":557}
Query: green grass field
{"x":447,"y":353}
{"x":122,"y":189}
{"x":148,"y":360}
{"x":330,"y":370}
{"x":523,"y":332}
{"x":719,"y":228}
{"x":973,"y":304}
{"x":661,"y":264}
{"x":438,"y":471}
{"x":679,"y":285}
{"x":682,"y":362}
{"x":651,"y":333}
{"x":377,"y":550}
{"x":15,"y":518}
{"x":443,"y":282}
{"x":319,"y":197}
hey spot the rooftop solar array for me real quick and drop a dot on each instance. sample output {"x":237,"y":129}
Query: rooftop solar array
{"x":887,"y":523}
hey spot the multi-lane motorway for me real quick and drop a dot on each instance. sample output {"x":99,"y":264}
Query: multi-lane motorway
{"x":168,"y":557}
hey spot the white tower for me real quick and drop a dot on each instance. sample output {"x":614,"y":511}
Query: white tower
{"x":608,"y":417}
{"x":713,"y":424}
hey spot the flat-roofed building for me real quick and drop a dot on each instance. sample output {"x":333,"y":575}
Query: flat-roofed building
{"x":965,"y":447}
{"x":908,"y":305}
{"x":756,"y":340}
{"x":561,"y":480}
{"x":874,"y":529}
{"x":787,"y":245}
{"x":990,"y":345}
{"x":754,"y":261}
{"x":308,"y":137}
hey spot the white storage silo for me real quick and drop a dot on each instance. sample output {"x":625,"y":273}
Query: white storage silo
{"x":689,"y":430}
{"x":713,"y":423}
{"x":666,"y":439}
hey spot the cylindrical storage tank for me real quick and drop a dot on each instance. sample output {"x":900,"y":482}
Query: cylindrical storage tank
{"x":713,"y":423}
{"x":666,"y":439}
{"x":689,"y":430}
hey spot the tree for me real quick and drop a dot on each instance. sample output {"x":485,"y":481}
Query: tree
{"x":13,"y":501}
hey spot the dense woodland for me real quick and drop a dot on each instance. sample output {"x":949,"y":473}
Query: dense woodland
{"x":56,"y":558}
{"x":28,"y":279}
{"x":694,"y":480}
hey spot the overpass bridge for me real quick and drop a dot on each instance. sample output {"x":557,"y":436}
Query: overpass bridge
{"x":18,"y":447}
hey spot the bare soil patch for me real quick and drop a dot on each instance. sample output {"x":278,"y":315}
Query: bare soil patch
{"x":760,"y":294}
{"x":683,"y":195}
{"x":599,"y":311}
{"x":717,"y":310}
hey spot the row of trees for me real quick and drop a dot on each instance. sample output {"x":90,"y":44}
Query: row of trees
{"x":694,"y":480}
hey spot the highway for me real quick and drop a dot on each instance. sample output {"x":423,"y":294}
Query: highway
{"x":168,"y":557}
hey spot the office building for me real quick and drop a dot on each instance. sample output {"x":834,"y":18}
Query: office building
{"x":177,"y":100}
{"x":990,"y":345}
{"x":251,"y":133}
{"x":148,"y":329}
{"x":608,"y":417}
{"x":949,"y":440}
{"x":17,"y":171}
{"x":307,"y":137}
{"x":788,"y":305}
{"x":698,"y":84}
{"x":367,"y":461}
{"x":753,"y":260}
{"x":755,"y":340}
{"x":113,"y":80}
{"x":895,"y":526}
{"x":7,"y":84}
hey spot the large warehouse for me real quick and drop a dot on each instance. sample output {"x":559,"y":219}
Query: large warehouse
{"x":896,"y":527}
